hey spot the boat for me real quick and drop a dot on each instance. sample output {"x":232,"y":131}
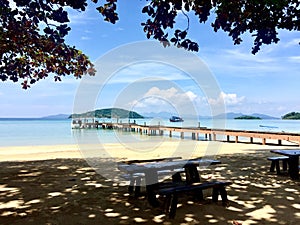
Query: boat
{"x":268,"y":126}
{"x":176,"y":119}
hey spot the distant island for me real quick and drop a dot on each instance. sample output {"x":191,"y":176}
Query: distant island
{"x":291,"y":116}
{"x":232,"y":115}
{"x":56,"y":117}
{"x":245,"y":117}
{"x":109,"y":113}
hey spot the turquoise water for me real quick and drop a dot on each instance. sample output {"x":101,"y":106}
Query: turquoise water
{"x":17,"y":132}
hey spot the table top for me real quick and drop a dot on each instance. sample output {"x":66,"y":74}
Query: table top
{"x":287,"y":152}
{"x":162,"y":165}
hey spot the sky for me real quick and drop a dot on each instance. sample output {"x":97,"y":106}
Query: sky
{"x":164,"y":79}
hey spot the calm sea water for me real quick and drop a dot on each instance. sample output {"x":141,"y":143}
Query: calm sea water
{"x":17,"y":132}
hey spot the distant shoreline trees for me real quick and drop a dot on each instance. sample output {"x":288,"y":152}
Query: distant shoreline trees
{"x":291,"y":116}
{"x":247,"y":118}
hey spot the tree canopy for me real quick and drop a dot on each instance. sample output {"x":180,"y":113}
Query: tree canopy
{"x":32,"y":32}
{"x":291,"y":116}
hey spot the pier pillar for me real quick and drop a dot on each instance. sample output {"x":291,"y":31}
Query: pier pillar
{"x":197,"y":136}
{"x":214,"y":137}
{"x":251,"y":140}
{"x":236,"y":139}
{"x":193,"y":136}
{"x":182,"y":135}
{"x":228,"y":138}
{"x":170,"y":133}
{"x":264,"y":141}
{"x":209,"y":137}
{"x":279,"y":142}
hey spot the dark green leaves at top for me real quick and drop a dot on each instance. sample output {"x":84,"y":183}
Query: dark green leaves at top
{"x":108,"y":11}
{"x":162,"y":17}
{"x":60,"y":16}
{"x":29,"y":54}
{"x":261,"y":18}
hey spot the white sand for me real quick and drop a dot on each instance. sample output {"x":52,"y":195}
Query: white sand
{"x":183,"y":148}
{"x":68,"y":191}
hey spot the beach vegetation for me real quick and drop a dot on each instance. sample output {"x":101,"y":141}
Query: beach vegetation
{"x":291,"y":116}
{"x":108,"y":113}
{"x":246,"y":117}
{"x":32,"y":32}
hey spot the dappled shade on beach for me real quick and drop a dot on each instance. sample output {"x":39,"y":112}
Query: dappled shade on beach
{"x":69,"y":190}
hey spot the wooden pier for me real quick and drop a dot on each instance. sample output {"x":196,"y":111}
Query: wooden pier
{"x":207,"y":133}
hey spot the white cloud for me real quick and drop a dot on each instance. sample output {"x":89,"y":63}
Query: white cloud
{"x":80,"y":18}
{"x":235,"y":54}
{"x":172,"y":94}
{"x":293,"y":43}
{"x":228,"y":99}
{"x":119,"y":29}
{"x":85,"y":38}
{"x":151,"y":71}
{"x":294,"y":59}
{"x":165,"y":99}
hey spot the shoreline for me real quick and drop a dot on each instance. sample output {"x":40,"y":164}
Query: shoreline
{"x":184,"y":148}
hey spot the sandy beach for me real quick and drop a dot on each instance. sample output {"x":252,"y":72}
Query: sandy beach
{"x":60,"y":185}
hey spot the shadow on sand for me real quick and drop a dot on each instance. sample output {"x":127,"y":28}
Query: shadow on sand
{"x":69,"y":191}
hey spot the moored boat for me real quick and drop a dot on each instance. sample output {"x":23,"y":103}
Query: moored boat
{"x":176,"y":119}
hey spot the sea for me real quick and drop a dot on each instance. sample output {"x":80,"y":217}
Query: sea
{"x":31,"y":132}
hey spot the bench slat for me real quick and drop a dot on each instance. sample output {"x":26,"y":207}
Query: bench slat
{"x":274,"y":158}
{"x":150,"y":160}
{"x":194,"y":186}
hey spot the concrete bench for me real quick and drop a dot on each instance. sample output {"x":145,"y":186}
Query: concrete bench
{"x":136,"y":178}
{"x":171,"y":194}
{"x":275,"y":163}
{"x":150,"y":160}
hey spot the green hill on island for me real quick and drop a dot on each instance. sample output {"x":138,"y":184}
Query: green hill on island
{"x":109,"y":113}
{"x":245,"y":117}
{"x":291,"y":116}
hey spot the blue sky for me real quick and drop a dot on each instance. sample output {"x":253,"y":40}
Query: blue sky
{"x":263,"y":83}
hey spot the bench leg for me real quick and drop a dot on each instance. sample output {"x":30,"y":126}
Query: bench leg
{"x":170,"y":205}
{"x":176,"y":178}
{"x":215,"y":194}
{"x":173,"y":206}
{"x":284,"y":164}
{"x":277,"y":166}
{"x":137,"y":190}
{"x":272,"y":168}
{"x":199,"y":195}
{"x":222,"y":191}
{"x":135,"y":186}
{"x":131,"y":185}
{"x":223,"y":194}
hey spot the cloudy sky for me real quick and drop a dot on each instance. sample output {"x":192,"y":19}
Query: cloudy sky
{"x":161,"y":79}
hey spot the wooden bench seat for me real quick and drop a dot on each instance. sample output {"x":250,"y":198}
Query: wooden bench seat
{"x":171,"y":193}
{"x":275,"y":163}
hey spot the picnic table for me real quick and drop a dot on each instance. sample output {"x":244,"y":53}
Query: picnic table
{"x":293,"y":161}
{"x":151,"y":170}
